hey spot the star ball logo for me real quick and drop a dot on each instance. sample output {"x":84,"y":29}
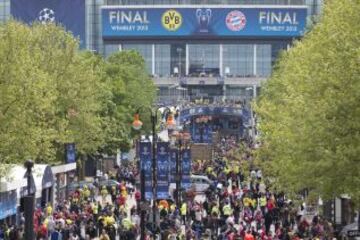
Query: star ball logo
{"x":46,"y":15}
{"x":171,"y":20}
{"x":235,"y":20}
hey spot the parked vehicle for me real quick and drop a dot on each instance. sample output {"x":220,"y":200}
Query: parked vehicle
{"x":199,"y":183}
{"x":109,"y":183}
{"x":75,"y":185}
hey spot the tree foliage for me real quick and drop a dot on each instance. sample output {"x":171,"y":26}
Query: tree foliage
{"x":131,"y":88}
{"x":310,"y":111}
{"x":52,"y":94}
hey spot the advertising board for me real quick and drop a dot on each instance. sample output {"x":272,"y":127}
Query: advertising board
{"x":204,"y":22}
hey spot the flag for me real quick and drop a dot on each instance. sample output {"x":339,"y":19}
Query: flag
{"x":186,"y":169}
{"x":69,"y":13}
{"x":146,"y":165}
{"x":163,"y":170}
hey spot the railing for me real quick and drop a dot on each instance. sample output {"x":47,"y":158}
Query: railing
{"x":202,"y":2}
{"x":244,"y":81}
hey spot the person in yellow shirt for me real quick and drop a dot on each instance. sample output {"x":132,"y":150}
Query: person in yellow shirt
{"x":86,"y":192}
{"x":215,"y":211}
{"x":183,"y":212}
{"x":227,"y":210}
{"x":109,"y":220}
{"x":247,"y":202}
{"x":104,"y":192}
{"x":127,"y":223}
{"x":262,"y":203}
{"x":49,"y":209}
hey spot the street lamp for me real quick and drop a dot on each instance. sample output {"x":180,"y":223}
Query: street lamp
{"x":29,"y":202}
{"x":252,"y":124}
{"x":137,"y":124}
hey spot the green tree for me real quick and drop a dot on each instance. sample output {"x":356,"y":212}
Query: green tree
{"x":310,"y":111}
{"x":50,"y":94}
{"x":131,"y":88}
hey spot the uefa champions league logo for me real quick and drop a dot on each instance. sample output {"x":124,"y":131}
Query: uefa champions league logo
{"x":162,"y":151}
{"x":145,"y":151}
{"x":46,"y":15}
{"x":203,"y":17}
{"x":186,"y":166}
{"x":147,"y":166}
{"x":162,"y":166}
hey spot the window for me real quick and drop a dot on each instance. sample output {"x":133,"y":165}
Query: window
{"x":263,"y":60}
{"x":238,"y":60}
{"x":4,"y":10}
{"x":162,"y":60}
{"x":204,"y":59}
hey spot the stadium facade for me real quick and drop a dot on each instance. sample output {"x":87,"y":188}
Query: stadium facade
{"x":196,"y":48}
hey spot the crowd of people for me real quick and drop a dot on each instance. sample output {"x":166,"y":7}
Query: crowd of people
{"x":237,"y":205}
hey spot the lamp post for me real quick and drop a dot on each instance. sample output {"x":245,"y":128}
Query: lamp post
{"x":29,"y":202}
{"x":137,"y":124}
{"x":252,"y":124}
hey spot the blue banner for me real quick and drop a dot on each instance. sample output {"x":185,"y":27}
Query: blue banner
{"x":163,"y":170}
{"x":146,"y":165}
{"x":7,"y":204}
{"x":173,"y":153}
{"x":69,"y":13}
{"x":230,"y":21}
{"x":186,"y":169}
{"x":70,"y":152}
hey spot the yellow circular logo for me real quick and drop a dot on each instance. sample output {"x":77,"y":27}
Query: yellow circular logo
{"x":171,"y":20}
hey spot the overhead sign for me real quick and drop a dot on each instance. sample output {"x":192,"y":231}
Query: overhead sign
{"x":69,"y":13}
{"x":190,"y":22}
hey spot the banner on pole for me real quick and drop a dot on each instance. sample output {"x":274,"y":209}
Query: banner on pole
{"x":163,"y":170}
{"x":70,"y":151}
{"x":173,"y":153}
{"x":186,"y":169}
{"x":146,"y":165}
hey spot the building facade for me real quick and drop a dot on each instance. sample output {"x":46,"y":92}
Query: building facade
{"x":195,"y":65}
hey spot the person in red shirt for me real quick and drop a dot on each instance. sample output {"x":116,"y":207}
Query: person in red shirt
{"x":137,"y":196}
{"x":270,"y":205}
{"x":42,"y":231}
{"x":248,"y":235}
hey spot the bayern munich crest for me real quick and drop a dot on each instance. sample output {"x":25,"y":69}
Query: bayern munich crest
{"x":235,"y":20}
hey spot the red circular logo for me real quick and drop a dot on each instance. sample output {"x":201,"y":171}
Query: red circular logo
{"x":235,"y":20}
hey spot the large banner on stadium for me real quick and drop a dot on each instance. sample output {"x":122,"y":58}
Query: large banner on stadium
{"x":68,"y":13}
{"x":146,"y":166}
{"x":190,"y":22}
{"x":163,"y":170}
